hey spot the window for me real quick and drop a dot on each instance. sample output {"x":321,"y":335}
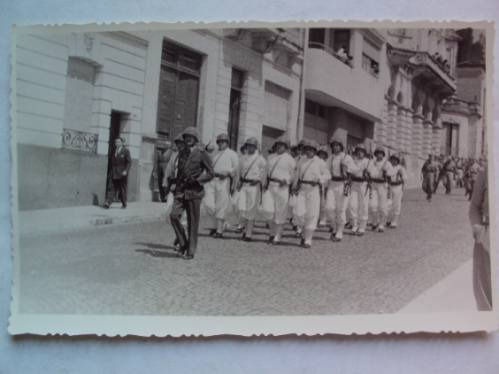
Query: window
{"x":237,"y":83}
{"x":370,"y":58}
{"x":315,"y":109}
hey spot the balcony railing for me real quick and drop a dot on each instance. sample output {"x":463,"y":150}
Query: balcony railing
{"x":346,"y":58}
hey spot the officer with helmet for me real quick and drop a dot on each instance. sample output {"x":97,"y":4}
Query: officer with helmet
{"x":379,"y":170}
{"x":359,"y":198}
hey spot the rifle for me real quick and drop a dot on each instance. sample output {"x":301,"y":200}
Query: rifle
{"x":347,"y":186}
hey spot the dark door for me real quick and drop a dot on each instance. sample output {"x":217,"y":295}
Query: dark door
{"x":237,"y":83}
{"x":114,"y":132}
{"x":178,"y":90}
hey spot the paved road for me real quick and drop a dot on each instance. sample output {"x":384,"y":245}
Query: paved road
{"x":131,"y":269}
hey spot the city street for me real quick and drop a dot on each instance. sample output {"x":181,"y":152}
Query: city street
{"x":132,"y":268}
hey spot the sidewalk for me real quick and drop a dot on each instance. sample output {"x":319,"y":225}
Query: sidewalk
{"x":53,"y":220}
{"x":453,"y":293}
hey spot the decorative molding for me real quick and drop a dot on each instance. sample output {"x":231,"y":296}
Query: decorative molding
{"x":79,"y":141}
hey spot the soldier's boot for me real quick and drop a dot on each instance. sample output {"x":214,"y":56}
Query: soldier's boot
{"x":307,"y":238}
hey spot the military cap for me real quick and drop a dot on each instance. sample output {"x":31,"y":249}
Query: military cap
{"x":223,"y":138}
{"x":192,"y":131}
{"x":380,"y":150}
{"x":251,"y":141}
{"x":396,"y":156}
{"x":310,"y":144}
{"x":361,"y":147}
{"x":322,"y":148}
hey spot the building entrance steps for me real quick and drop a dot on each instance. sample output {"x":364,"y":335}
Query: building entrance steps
{"x":41,"y":221}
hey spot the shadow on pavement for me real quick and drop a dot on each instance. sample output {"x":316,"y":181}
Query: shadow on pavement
{"x":154,"y":253}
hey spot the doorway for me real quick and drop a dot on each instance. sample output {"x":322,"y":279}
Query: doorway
{"x":237,"y":83}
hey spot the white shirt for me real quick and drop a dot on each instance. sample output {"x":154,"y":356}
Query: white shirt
{"x":377,"y":169}
{"x":281,"y":167}
{"x":335,"y":163}
{"x":398,"y":174}
{"x":313,"y":170}
{"x":359,"y":166}
{"x":226,"y":162}
{"x":253,"y":167}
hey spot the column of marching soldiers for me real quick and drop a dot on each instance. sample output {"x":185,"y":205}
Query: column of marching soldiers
{"x":307,"y":185}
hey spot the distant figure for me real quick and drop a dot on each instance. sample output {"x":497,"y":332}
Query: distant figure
{"x":161,"y":160}
{"x":120,"y":166}
{"x":429,"y":172}
{"x":479,"y":219}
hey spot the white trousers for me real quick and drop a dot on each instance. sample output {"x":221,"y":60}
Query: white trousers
{"x":280,"y":196}
{"x":397,"y":193}
{"x":336,"y":205}
{"x":251,"y":200}
{"x":379,"y":203}
{"x":311,"y":195}
{"x":359,"y":205}
{"x":218,"y":191}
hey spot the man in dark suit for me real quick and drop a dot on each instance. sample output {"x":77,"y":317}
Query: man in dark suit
{"x":120,"y":166}
{"x":193,"y":169}
{"x":161,"y":159}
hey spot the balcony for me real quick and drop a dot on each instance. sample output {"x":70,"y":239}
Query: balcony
{"x":336,"y":82}
{"x":426,"y":67}
{"x":265,"y":39}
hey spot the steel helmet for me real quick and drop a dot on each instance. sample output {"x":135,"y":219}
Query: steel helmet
{"x":380,"y":150}
{"x":223,"y":138}
{"x":251,"y":141}
{"x":310,"y":144}
{"x":322,"y":148}
{"x":179,"y":139}
{"x":283,"y":139}
{"x":336,"y":140}
{"x":361,"y":147}
{"x":192,"y":131}
{"x":396,"y":156}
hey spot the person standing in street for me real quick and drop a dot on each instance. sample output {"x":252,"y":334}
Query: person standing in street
{"x":338,"y":193}
{"x":429,"y":172}
{"x":161,"y":159}
{"x":194,"y":168}
{"x":280,"y":175}
{"x":251,"y":179}
{"x":396,"y":181}
{"x":479,"y":219}
{"x":322,"y":153}
{"x":225,"y":167}
{"x":379,"y":170}
{"x":311,"y":176}
{"x":120,"y":167}
{"x":359,"y":198}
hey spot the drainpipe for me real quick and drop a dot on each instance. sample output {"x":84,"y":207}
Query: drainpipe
{"x":301,"y":98}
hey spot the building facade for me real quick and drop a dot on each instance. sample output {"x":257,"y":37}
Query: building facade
{"x":415,"y":91}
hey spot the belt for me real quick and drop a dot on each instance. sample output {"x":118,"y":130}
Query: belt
{"x":337,"y":179}
{"x":377,"y":180}
{"x":311,"y":183}
{"x":395,"y":183}
{"x":221,"y":176}
{"x":252,"y":181}
{"x":274,"y":180}
{"x":358,"y":179}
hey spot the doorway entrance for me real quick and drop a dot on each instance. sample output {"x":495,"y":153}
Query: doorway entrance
{"x":237,"y":83}
{"x":178,"y":90}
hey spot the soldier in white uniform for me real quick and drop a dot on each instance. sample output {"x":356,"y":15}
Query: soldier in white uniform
{"x":252,"y":174}
{"x":359,"y":198}
{"x":396,"y":182}
{"x":225,"y":166}
{"x":338,"y":164}
{"x":300,"y":156}
{"x":280,"y":174}
{"x":311,"y":176}
{"x":379,"y":170}
{"x":323,"y":155}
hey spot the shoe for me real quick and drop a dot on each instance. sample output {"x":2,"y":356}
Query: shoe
{"x":348,"y":225}
{"x":246,"y":238}
{"x":123,"y":206}
{"x":392,"y":225}
{"x":106,"y":206}
{"x":374,"y":227}
{"x":302,"y":241}
{"x":298,"y":234}
{"x":239,"y":228}
{"x":276,"y":242}
{"x":333,"y":235}
{"x":271,"y":239}
{"x":359,"y":233}
{"x":187,"y":256}
{"x":212,"y":232}
{"x":218,"y":235}
{"x":306,"y":245}
{"x":380,"y":229}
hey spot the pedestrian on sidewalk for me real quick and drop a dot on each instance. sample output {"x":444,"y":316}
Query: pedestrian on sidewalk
{"x":252,"y":179}
{"x":280,"y":174}
{"x":161,"y":159}
{"x":311,"y":176}
{"x":479,"y":219}
{"x":194,"y":168}
{"x":225,"y":168}
{"x":120,"y":167}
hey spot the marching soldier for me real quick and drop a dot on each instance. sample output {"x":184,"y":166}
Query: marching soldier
{"x":311,"y":176}
{"x":252,"y":178}
{"x":379,"y":169}
{"x":280,"y":174}
{"x":225,"y":167}
{"x":359,"y":198}
{"x":396,"y":181}
{"x":194,"y":168}
{"x":161,"y":159}
{"x":323,"y":155}
{"x":338,"y":188}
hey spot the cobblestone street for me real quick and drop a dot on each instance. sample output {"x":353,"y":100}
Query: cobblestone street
{"x":132,"y":269}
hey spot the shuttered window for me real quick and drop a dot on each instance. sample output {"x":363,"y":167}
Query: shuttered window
{"x":276,"y":106}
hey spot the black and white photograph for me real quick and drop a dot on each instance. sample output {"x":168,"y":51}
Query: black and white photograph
{"x":267,"y":171}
